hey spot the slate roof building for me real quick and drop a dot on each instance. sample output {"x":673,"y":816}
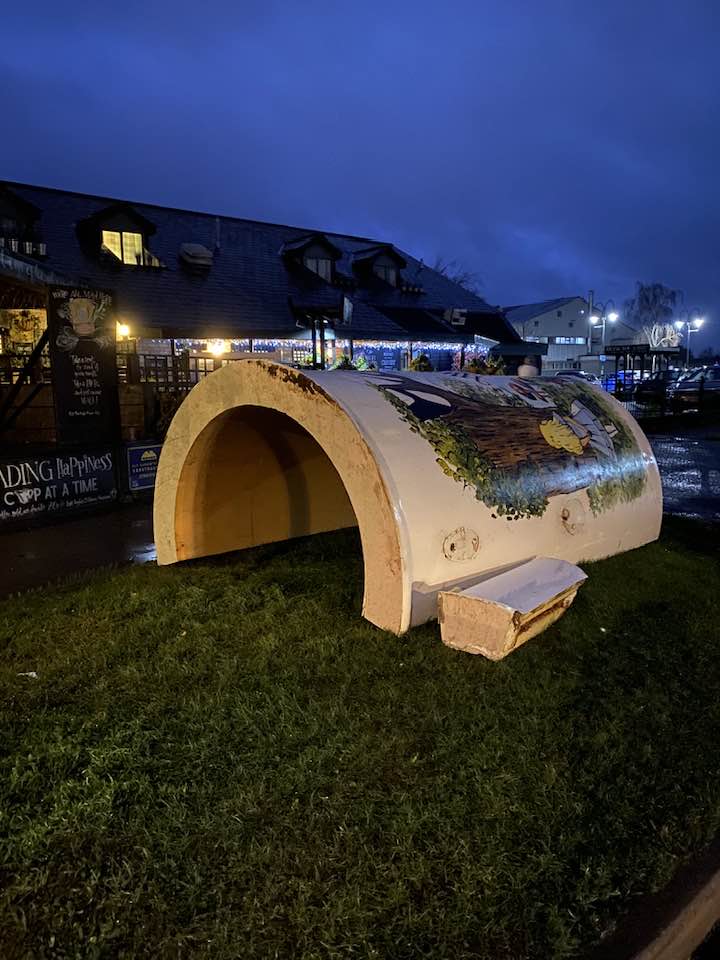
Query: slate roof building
{"x":213,"y":286}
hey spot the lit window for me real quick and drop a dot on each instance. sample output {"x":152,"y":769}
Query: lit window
{"x":111,"y":241}
{"x":132,"y":248}
{"x":386,"y":273}
{"x":127,"y":247}
{"x":321,"y":266}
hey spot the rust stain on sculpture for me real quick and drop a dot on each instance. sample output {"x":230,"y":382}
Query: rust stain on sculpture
{"x":288,"y":375}
{"x":431,"y":467}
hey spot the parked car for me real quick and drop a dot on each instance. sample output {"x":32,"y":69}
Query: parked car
{"x":620,"y":385}
{"x":655,"y":388}
{"x":580,"y":374}
{"x":700,"y":389}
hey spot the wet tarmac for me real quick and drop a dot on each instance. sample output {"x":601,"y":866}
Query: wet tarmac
{"x":690,"y":471}
{"x":35,"y":557}
{"x":689,"y":466}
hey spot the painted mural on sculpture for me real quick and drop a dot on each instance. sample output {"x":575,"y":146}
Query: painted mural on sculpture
{"x":566,"y":437}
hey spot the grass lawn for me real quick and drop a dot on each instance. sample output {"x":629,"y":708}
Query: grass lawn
{"x":224,"y":760}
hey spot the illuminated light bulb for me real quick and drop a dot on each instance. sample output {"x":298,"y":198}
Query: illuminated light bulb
{"x":123,"y":330}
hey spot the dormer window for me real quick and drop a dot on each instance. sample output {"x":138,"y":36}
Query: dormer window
{"x":386,"y":272}
{"x":17,"y":222}
{"x":314,"y":252}
{"x":321,"y":266}
{"x":127,"y":247}
{"x":381,"y":261}
{"x":120,"y":234}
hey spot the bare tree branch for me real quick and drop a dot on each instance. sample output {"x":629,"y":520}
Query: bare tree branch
{"x":453,"y":270}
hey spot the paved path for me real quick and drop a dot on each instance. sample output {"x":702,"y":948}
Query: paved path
{"x":689,"y":464}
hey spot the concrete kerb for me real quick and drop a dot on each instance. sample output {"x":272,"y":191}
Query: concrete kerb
{"x":673,"y":923}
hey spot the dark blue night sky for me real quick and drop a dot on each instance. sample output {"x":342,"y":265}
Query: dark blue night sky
{"x":548,"y":145}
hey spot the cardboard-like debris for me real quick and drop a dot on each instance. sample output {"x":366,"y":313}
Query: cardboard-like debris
{"x":500,"y":613}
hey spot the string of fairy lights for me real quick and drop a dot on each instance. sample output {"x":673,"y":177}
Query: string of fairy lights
{"x":220,"y":347}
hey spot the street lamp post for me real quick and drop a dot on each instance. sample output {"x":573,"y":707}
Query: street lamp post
{"x":690,"y":326}
{"x":602,"y":313}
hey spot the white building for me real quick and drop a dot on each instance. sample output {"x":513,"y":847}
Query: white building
{"x":562,"y":324}
{"x":573,"y":342}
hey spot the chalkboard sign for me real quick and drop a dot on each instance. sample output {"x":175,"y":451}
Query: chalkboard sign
{"x":81,"y":325}
{"x":52,"y":484}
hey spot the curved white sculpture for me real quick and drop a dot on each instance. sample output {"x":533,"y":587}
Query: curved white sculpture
{"x":449,"y":477}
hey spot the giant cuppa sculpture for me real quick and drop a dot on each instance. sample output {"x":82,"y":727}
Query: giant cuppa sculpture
{"x":453,"y":480}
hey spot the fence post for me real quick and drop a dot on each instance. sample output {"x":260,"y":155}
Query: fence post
{"x":132,"y":368}
{"x":151,"y":410}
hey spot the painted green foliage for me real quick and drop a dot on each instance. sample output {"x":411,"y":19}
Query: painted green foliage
{"x":560,"y":438}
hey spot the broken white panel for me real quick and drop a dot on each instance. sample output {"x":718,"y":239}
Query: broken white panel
{"x":502,"y":612}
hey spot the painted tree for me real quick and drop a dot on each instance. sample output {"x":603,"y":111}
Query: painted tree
{"x":515,"y":463}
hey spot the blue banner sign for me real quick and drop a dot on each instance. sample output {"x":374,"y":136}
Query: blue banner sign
{"x":51,"y":485}
{"x":142,"y":461}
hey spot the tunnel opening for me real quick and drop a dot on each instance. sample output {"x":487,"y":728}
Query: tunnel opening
{"x":253,"y":476}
